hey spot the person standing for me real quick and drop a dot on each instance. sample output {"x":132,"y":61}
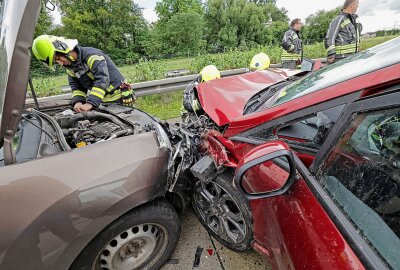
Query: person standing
{"x":292,"y":45}
{"x":343,"y":36}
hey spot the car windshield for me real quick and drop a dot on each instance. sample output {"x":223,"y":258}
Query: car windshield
{"x":373,"y":59}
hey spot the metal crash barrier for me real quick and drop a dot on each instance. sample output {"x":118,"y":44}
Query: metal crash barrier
{"x":142,"y":88}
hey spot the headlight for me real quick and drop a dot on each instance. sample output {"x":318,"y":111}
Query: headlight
{"x":162,"y":137}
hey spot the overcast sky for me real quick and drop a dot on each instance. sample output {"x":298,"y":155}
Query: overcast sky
{"x":374,"y":14}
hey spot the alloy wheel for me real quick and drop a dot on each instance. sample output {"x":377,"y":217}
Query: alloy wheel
{"x":219,"y":211}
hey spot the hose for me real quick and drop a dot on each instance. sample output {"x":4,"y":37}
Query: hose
{"x":120,"y":133}
{"x":93,"y":115}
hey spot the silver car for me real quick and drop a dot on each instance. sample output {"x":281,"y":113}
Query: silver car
{"x":77,"y":190}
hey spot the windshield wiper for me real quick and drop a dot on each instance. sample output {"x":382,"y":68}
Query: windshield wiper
{"x":258,"y":100}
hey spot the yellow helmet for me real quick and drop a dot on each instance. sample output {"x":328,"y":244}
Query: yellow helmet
{"x":259,"y":62}
{"x":209,"y":73}
{"x":44,"y":48}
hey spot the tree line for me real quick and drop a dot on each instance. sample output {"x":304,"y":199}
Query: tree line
{"x":185,"y":27}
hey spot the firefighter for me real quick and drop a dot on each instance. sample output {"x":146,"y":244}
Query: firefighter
{"x":190,"y":102}
{"x":92,"y":75}
{"x":259,"y":62}
{"x":292,"y":45}
{"x":343,"y":36}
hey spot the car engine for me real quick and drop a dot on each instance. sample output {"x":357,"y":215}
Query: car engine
{"x":80,"y":129}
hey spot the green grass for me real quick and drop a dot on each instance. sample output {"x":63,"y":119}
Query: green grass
{"x":371,"y":42}
{"x":165,"y":106}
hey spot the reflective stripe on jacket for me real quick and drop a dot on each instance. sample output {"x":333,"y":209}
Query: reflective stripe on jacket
{"x":94,"y":78}
{"x":189,"y":96}
{"x":292,"y":46}
{"x":343,"y":36}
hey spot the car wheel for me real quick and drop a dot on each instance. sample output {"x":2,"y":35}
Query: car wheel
{"x":224,"y":212}
{"x":141,"y":239}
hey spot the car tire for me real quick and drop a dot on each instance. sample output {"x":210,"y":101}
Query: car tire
{"x":233,"y":231}
{"x":144,"y":238}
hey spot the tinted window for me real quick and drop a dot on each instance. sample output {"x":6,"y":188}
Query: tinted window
{"x":362,"y":176}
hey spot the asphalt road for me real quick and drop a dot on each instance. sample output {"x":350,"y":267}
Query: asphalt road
{"x":211,"y":255}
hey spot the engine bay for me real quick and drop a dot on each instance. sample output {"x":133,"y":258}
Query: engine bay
{"x":48,"y":132}
{"x":108,"y":123}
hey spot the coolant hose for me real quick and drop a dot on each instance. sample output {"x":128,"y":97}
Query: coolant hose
{"x":93,"y":115}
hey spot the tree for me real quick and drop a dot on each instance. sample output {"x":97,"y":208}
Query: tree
{"x":317,"y":25}
{"x":44,"y":24}
{"x":179,"y":30}
{"x":184,"y":33}
{"x":233,"y":23}
{"x":168,"y":8}
{"x":115,"y":26}
{"x":275,"y":32}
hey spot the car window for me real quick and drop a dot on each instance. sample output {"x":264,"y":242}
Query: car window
{"x":362,"y":176}
{"x":311,"y":131}
{"x":356,"y":65}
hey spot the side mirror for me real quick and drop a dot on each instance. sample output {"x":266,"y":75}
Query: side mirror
{"x":310,"y":65}
{"x":269,"y":170}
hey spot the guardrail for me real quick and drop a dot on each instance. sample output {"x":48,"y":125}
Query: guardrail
{"x":144,"y":88}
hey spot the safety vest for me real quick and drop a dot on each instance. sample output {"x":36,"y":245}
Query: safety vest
{"x":343,"y":36}
{"x":292,"y":46}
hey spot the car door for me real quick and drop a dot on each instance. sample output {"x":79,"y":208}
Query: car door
{"x":346,"y":214}
{"x":304,"y":130}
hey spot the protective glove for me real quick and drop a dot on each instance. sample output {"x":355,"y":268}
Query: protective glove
{"x":127,"y":95}
{"x":196,"y":105}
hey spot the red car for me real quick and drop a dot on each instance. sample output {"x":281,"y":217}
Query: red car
{"x":343,"y":211}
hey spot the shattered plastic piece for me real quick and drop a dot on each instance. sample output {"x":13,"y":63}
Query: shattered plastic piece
{"x":197,"y":256}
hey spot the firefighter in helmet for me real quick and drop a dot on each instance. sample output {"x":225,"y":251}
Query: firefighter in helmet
{"x":190,"y":102}
{"x":92,"y":75}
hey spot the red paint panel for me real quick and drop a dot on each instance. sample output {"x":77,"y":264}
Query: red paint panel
{"x":305,"y":158}
{"x":298,"y":234}
{"x":264,"y":177}
{"x":263,"y":150}
{"x":224,"y":99}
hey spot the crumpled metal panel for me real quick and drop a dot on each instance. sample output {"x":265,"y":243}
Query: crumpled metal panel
{"x":224,"y":99}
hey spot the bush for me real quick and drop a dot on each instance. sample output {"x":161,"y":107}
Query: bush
{"x":234,"y":58}
{"x":145,"y":71}
{"x":45,"y":87}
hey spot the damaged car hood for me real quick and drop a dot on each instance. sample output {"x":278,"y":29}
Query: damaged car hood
{"x":224,"y":99}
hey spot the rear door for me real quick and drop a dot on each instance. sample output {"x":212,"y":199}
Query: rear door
{"x":348,"y":215}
